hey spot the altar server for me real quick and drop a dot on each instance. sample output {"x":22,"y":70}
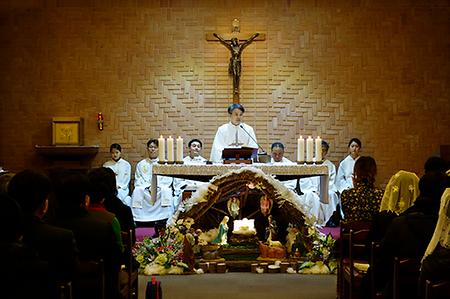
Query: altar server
{"x":122,"y":169}
{"x":344,"y":179}
{"x":144,"y":210}
{"x":233,"y":134}
{"x":194,"y":158}
{"x":310,"y":201}
{"x":311,"y":187}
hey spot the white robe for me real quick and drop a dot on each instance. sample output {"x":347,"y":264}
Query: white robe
{"x":122,"y":169}
{"x":226,"y":137}
{"x":310,"y":201}
{"x":344,"y":179}
{"x":143,"y":209}
{"x":183,"y":184}
{"x":311,"y":188}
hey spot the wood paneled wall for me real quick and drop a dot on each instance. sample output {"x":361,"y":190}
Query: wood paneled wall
{"x":374,"y":69}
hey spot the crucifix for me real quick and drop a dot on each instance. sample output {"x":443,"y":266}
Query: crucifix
{"x":231,"y":42}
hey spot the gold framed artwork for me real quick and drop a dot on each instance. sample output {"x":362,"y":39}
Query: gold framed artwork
{"x":67,"y":131}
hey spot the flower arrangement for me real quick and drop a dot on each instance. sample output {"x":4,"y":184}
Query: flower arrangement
{"x":319,"y":259}
{"x":164,"y":254}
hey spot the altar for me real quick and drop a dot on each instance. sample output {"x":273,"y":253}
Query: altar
{"x":204,"y":172}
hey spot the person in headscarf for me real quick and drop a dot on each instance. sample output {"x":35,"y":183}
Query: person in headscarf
{"x":401,"y":192}
{"x":409,"y":234}
{"x":436,"y":260}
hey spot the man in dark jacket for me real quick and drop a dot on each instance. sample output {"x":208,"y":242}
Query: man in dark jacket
{"x":53,"y":244}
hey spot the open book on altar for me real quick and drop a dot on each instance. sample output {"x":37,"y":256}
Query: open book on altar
{"x":239,"y":155}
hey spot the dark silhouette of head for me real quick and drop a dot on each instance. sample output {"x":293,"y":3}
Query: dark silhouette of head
{"x":71,"y":188}
{"x":436,"y":164}
{"x":103,"y":184}
{"x":30,"y":189}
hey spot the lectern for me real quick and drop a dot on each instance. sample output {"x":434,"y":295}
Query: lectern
{"x":241,"y":155}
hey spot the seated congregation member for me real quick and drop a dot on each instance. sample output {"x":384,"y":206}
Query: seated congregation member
{"x":345,"y":171}
{"x":95,"y":234}
{"x":310,"y":202}
{"x":409,"y":234}
{"x":233,"y":134}
{"x":97,"y":197}
{"x":362,"y":201}
{"x":400,"y":193}
{"x":311,"y":187}
{"x":436,"y":164}
{"x":53,"y":244}
{"x":106,"y":178}
{"x":24,"y":274}
{"x":436,"y":260}
{"x":146,"y":212}
{"x":122,"y":170}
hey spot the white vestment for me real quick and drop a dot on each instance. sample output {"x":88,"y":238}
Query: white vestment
{"x":310,"y":202}
{"x":143,"y":209}
{"x":183,"y":184}
{"x":311,"y":190}
{"x":122,"y":169}
{"x":227,"y":135}
{"x":345,"y":173}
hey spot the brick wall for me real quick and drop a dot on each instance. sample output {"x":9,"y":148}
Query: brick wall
{"x":377,"y":70}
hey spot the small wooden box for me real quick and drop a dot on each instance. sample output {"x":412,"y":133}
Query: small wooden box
{"x":67,"y":131}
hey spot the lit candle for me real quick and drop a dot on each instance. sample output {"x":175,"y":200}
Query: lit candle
{"x":318,"y":149}
{"x":179,"y":149}
{"x":301,"y":149}
{"x":170,"y":152}
{"x":161,"y":149}
{"x":309,"y":149}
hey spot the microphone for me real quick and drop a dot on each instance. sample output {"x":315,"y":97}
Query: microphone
{"x":242,"y":127}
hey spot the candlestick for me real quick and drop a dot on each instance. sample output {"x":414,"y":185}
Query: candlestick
{"x":161,"y":149}
{"x":179,"y":149}
{"x":318,"y":149}
{"x":170,"y":151}
{"x":309,"y":149}
{"x":301,"y":149}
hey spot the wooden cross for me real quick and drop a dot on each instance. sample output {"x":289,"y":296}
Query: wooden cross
{"x":236,"y":43}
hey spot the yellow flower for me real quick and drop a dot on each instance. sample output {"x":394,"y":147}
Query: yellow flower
{"x":140,"y":258}
{"x":161,"y":259}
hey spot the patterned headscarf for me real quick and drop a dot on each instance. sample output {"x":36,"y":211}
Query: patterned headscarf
{"x":401,"y":192}
{"x":442,"y":231}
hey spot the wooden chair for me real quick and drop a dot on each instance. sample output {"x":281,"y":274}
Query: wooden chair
{"x":90,"y":281}
{"x":406,"y":278}
{"x":437,"y":290}
{"x":129,"y":275}
{"x":374,"y":255}
{"x":353,"y":249}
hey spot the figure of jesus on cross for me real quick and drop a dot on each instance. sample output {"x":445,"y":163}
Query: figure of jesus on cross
{"x":234,"y":68}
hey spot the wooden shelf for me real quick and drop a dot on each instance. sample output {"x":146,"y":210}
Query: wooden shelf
{"x":69,"y":152}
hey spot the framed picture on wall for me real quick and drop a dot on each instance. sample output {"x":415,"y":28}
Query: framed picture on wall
{"x":67,"y":131}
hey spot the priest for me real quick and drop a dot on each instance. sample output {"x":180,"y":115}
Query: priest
{"x":233,"y":134}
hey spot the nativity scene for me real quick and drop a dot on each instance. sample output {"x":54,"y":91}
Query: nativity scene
{"x":241,"y":217}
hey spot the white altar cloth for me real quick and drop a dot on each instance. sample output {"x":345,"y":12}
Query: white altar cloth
{"x":205,"y":172}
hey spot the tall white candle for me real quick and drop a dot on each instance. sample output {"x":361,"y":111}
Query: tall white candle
{"x":318,"y":149}
{"x":179,"y":149}
{"x":170,"y":150}
{"x":309,"y":149}
{"x":161,"y":149}
{"x":301,"y":149}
